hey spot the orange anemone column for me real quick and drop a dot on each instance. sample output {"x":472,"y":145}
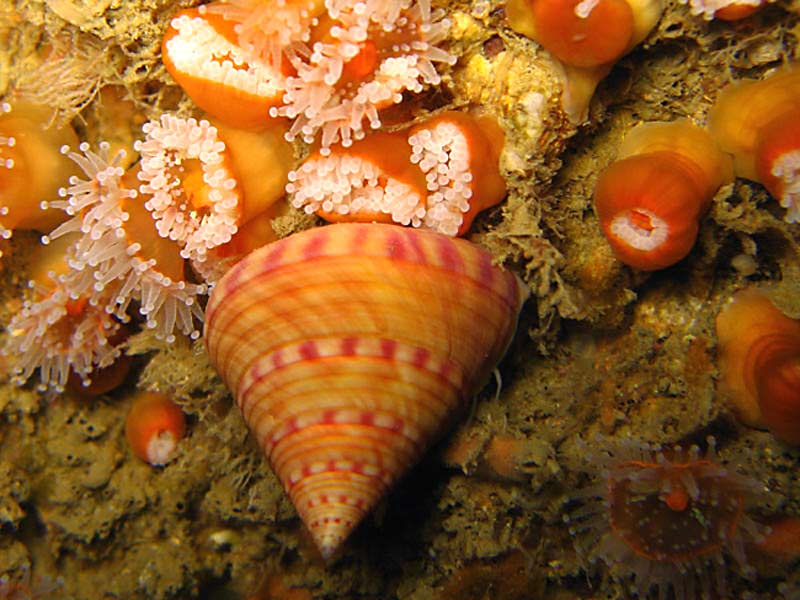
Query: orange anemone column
{"x":586,"y":37}
{"x":759,"y":360}
{"x":756,"y":122}
{"x":650,"y":200}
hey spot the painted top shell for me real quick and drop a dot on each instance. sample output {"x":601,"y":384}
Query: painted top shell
{"x":349,"y":348}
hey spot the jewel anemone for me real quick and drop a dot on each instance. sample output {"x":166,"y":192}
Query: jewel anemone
{"x":361,"y":60}
{"x":269,"y":30}
{"x":437,"y":175}
{"x":202,"y":181}
{"x":59,"y":333}
{"x":756,"y":122}
{"x":650,"y":201}
{"x":32,"y":168}
{"x":759,"y":362}
{"x":201,"y":52}
{"x":586,"y":37}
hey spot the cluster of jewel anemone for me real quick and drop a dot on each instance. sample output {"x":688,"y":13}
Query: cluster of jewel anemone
{"x":125,"y":237}
{"x":650,"y":200}
{"x":331,"y":68}
{"x":105,"y":256}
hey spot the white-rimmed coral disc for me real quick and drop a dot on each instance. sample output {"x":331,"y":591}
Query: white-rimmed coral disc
{"x":349,"y":348}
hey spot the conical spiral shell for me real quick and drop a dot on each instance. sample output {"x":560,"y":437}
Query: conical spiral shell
{"x":349,"y":348}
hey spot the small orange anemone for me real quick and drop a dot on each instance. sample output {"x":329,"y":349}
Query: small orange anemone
{"x":586,"y":36}
{"x":154,"y":426}
{"x":756,"y":122}
{"x":759,"y":357}
{"x":650,"y":201}
{"x":582,"y":33}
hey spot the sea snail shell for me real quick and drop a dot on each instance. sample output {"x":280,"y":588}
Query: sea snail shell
{"x":349,"y":348}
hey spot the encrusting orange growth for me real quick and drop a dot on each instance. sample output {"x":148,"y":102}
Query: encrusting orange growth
{"x":200,"y":50}
{"x":759,"y":359}
{"x":498,"y":456}
{"x":650,"y":201}
{"x":32,"y":168}
{"x":154,"y":426}
{"x":756,"y":122}
{"x":586,"y":36}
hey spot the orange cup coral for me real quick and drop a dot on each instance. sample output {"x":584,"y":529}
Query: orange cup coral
{"x":650,"y":201}
{"x":756,"y":122}
{"x":759,"y":358}
{"x":666,"y":518}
